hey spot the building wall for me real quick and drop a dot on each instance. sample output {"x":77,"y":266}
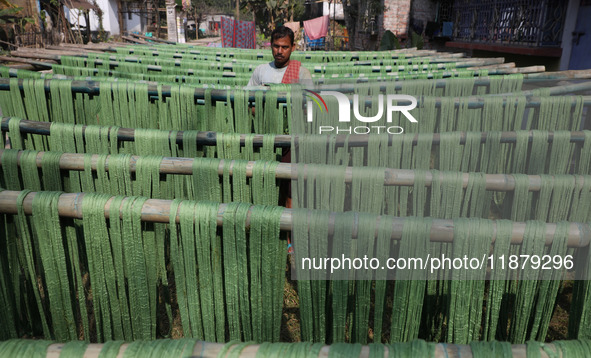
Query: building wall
{"x":110,"y":16}
{"x":110,"y":19}
{"x":75,"y":17}
{"x":397,"y":17}
{"x":567,"y":33}
{"x":133,"y":23}
{"x":210,"y":21}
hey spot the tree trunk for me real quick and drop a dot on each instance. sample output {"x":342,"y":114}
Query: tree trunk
{"x":157,"y":19}
{"x":120,"y":17}
{"x":87,"y":20}
{"x":350,"y":9}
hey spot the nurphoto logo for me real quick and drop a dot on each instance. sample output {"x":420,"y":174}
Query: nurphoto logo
{"x":344,"y":112}
{"x":313,"y":97}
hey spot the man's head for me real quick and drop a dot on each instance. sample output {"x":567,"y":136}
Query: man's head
{"x":282,"y":44}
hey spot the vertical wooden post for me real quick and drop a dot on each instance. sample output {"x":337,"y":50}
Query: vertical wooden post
{"x":120,"y":17}
{"x":171,"y":20}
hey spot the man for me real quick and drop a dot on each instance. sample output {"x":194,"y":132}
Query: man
{"x":282,"y":69}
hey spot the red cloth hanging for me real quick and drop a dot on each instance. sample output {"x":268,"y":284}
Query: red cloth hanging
{"x":292,"y":73}
{"x":316,"y":28}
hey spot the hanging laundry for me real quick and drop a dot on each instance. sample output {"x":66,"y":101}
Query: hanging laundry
{"x":294,"y":26}
{"x":316,"y":28}
{"x":239,"y":34}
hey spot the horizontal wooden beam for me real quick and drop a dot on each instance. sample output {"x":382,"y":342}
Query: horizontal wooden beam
{"x":289,"y":171}
{"x":158,"y":210}
{"x":212,"y":350}
{"x":518,"y":50}
{"x":281,"y":140}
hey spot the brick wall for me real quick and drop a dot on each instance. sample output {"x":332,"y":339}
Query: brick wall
{"x":396,"y":17}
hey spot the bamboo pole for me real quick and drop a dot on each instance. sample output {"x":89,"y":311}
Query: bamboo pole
{"x":24,"y":66}
{"x":93,"y":87}
{"x":281,"y":141}
{"x":22,"y":60}
{"x":50,"y":55}
{"x":395,"y":54}
{"x":8,"y":43}
{"x":500,"y":65}
{"x":479,"y":81}
{"x":35,"y":54}
{"x":319,"y":69}
{"x":344,"y":87}
{"x":471,"y":64}
{"x":556,"y":90}
{"x":69,"y":51}
{"x":134,"y":40}
{"x":159,"y":51}
{"x":89,"y":47}
{"x":199,"y":57}
{"x":433,"y":60}
{"x":289,"y":171}
{"x":531,"y":69}
{"x":211,"y":350}
{"x":158,"y":210}
{"x":571,"y":74}
{"x":155,"y":39}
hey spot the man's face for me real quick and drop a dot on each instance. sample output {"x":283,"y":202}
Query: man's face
{"x":282,"y":49}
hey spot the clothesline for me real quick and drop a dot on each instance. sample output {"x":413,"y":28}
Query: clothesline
{"x":281,"y":141}
{"x":157,"y":210}
{"x":209,"y":349}
{"x":217,"y":56}
{"x":286,"y":171}
{"x":439,"y":58}
{"x":344,"y":87}
{"x":220,"y":51}
{"x":93,"y":88}
{"x":435,"y":66}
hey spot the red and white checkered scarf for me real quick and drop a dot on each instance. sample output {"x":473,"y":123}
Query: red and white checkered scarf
{"x":292,"y":73}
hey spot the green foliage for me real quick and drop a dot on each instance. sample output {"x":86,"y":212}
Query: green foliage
{"x":199,"y":9}
{"x":261,"y":39}
{"x":11,"y":15}
{"x":102,"y":34}
{"x":389,"y":41}
{"x":361,"y":17}
{"x":298,"y":11}
{"x":8,"y":15}
{"x":270,"y":13}
{"x":416,"y":40}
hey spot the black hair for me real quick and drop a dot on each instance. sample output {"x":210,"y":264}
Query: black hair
{"x":281,"y":32}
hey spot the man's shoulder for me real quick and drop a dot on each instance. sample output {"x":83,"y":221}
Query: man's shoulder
{"x":260,"y":67}
{"x":266,"y":66}
{"x":304,"y":70}
{"x":305,"y":73}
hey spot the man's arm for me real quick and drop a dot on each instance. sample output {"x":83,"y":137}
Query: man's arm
{"x":305,"y":77}
{"x":255,"y":78}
